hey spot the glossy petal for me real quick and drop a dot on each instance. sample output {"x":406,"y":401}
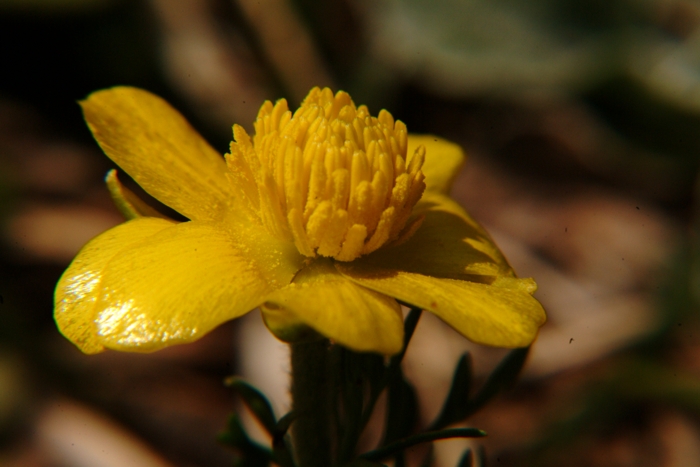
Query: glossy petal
{"x":358,"y":318}
{"x":443,"y":161}
{"x":128,"y":203}
{"x":178,"y":284}
{"x":80,"y":286}
{"x":159,"y":149}
{"x":449,"y":244}
{"x":505,"y":315}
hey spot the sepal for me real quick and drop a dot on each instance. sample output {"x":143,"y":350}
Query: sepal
{"x":128,"y":202}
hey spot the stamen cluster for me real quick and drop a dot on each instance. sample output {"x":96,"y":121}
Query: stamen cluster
{"x":331,"y":178}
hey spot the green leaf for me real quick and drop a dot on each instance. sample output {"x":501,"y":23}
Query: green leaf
{"x":360,"y":368}
{"x":456,"y":406}
{"x":256,"y":402}
{"x":394,"y":367}
{"x":503,"y":377}
{"x":353,"y":392}
{"x":234,"y":435}
{"x":402,"y":411}
{"x":249,"y":453}
{"x":281,"y":446}
{"x":425,"y":437}
{"x":409,"y":327}
{"x":364,"y":463}
{"x":282,"y":426}
{"x":373,"y":368}
{"x":282,"y":450}
{"x":467,"y":459}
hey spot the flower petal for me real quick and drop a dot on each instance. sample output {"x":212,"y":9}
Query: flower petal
{"x":358,"y":318}
{"x":180,"y":283}
{"x":128,"y":203}
{"x":448,"y":244}
{"x":79,"y":287}
{"x":443,"y":161}
{"x":504,"y":316}
{"x":159,"y":149}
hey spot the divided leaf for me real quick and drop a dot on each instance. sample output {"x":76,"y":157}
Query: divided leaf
{"x":256,"y":402}
{"x":249,"y":453}
{"x":456,"y":405}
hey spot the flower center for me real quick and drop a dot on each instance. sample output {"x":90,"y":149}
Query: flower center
{"x":331,"y":178}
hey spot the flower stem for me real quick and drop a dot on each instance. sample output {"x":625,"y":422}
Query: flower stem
{"x":310,"y":400}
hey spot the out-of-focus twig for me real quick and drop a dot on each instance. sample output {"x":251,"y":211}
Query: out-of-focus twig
{"x":288,"y":45}
{"x":223,"y":84}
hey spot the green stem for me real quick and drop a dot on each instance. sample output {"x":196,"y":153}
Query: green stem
{"x":310,"y":399}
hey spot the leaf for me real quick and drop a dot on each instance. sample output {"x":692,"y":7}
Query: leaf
{"x":502,"y":378}
{"x":402,"y":411}
{"x":357,"y":368}
{"x":364,"y":463}
{"x":409,"y":327}
{"x":256,"y":402}
{"x":355,"y":410}
{"x":284,"y":423}
{"x":456,"y":406}
{"x":467,"y":459}
{"x":373,"y":368}
{"x":282,"y":451}
{"x":425,"y":437}
{"x":250,"y":454}
{"x":281,"y":446}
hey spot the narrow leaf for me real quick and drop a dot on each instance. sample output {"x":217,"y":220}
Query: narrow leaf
{"x":353,"y":392}
{"x":402,"y":411}
{"x":256,"y":402}
{"x":409,"y":327}
{"x":282,"y":450}
{"x":467,"y":459}
{"x":249,"y":453}
{"x":284,"y":423}
{"x":455,"y":407}
{"x":281,"y":447}
{"x":391,"y":449}
{"x":394,"y":366}
{"x":502,"y":378}
{"x":364,"y":463}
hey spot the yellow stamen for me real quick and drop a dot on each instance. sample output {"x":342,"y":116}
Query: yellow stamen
{"x":331,"y":178}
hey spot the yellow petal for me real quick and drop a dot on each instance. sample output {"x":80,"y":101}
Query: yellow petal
{"x":286,"y":326}
{"x":128,"y":203}
{"x":443,"y":161}
{"x":358,"y":318}
{"x":79,"y":287}
{"x":159,"y":149}
{"x":177,"y":285}
{"x":502,"y":316}
{"x":448,"y":244}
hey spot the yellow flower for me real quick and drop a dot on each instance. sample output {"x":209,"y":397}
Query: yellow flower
{"x":323,"y":219}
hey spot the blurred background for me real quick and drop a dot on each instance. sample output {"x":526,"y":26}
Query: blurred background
{"x":581,"y":119}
